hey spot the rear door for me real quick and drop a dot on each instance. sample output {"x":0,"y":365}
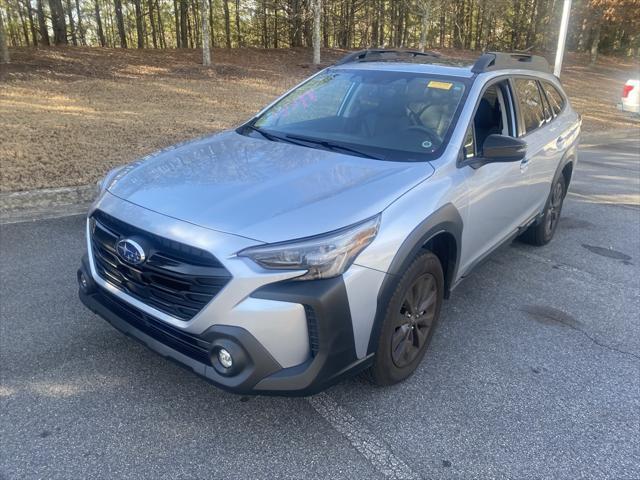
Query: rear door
{"x":545,"y":142}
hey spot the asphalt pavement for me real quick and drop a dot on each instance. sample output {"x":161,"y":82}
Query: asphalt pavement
{"x":534,"y":371}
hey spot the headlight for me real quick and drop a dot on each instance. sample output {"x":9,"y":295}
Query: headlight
{"x":323,"y":256}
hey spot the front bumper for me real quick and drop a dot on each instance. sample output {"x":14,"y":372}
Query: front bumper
{"x":255,"y":371}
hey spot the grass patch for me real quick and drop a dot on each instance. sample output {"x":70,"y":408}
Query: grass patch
{"x":67,"y":115}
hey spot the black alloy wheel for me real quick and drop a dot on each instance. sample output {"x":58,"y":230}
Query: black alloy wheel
{"x":410,"y":319}
{"x":555,"y":206}
{"x":417,"y":313}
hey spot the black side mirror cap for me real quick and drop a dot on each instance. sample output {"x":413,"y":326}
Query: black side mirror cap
{"x":502,"y":148}
{"x":499,"y":149}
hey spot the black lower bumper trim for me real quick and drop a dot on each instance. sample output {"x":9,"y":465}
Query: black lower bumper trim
{"x":258,"y":372}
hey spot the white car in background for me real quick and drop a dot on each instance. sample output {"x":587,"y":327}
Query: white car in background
{"x":631,"y":96}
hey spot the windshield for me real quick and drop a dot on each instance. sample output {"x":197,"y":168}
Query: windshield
{"x":403,"y":116}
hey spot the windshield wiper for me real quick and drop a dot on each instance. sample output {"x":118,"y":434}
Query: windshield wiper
{"x":333,"y":146}
{"x":272,"y":137}
{"x":268,"y":136}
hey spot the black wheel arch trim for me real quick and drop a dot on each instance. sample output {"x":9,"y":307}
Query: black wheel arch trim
{"x":447,"y":220}
{"x":568,"y":158}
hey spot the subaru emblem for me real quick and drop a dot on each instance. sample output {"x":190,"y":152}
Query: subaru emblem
{"x":130,"y":251}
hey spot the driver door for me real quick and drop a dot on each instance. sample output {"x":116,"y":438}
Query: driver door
{"x":496,"y":204}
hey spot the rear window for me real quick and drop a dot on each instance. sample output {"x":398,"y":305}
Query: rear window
{"x":530,"y":103}
{"x":554,"y":96}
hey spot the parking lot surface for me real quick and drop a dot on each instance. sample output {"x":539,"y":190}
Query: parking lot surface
{"x":534,"y":371}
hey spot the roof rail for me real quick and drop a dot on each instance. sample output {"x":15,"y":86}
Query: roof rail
{"x":373,"y":54}
{"x":491,"y":61}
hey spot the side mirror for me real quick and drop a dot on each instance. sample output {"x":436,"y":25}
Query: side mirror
{"x":501,"y":148}
{"x":498,"y":149}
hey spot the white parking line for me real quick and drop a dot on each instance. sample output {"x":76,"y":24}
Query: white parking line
{"x":370,"y":447}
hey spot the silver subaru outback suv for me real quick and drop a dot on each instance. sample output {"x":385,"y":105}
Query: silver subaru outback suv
{"x":320,"y":238}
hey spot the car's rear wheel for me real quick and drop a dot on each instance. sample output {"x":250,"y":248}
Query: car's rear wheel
{"x":411,"y":317}
{"x":541,"y":233}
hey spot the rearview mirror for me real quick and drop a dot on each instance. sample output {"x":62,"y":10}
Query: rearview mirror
{"x":499,"y":149}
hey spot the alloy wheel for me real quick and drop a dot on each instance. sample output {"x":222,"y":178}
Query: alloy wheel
{"x":555,"y":205}
{"x":415,"y":319}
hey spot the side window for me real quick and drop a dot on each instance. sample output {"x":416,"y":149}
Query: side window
{"x":530,"y":103}
{"x":555,"y":98}
{"x":548,"y":114}
{"x":492,"y":116}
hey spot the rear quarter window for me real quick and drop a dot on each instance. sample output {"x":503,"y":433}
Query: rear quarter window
{"x":530,"y":103}
{"x":556,"y":100}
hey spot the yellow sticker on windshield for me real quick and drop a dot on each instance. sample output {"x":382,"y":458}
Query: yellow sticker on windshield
{"x":440,"y":85}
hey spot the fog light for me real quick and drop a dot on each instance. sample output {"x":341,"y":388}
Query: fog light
{"x":83,"y":282}
{"x":225,"y":358}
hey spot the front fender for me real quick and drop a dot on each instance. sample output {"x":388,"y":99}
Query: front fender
{"x":446,"y":219}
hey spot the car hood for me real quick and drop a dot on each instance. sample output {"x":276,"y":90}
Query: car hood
{"x":268,"y":191}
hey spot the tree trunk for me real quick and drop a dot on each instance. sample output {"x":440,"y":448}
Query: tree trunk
{"x":163,"y":40}
{"x":72,"y":27}
{"x":154,"y":38}
{"x":531,"y":31}
{"x":58,"y":22}
{"x":197,"y":21}
{"x":595,"y":43}
{"x":381,"y":15}
{"x":81,"y":31}
{"x":265,"y":30}
{"x":204,"y":15}
{"x":423,"y":29}
{"x":375,"y":24}
{"x":99,"y":25}
{"x":44,"y":30}
{"x":120,"y":23}
{"x":480,"y":26}
{"x":139,"y":30}
{"x":351,"y":23}
{"x":4,"y":50}
{"x":23,"y":23}
{"x":317,"y":13}
{"x":275,"y":25}
{"x":184,"y":11}
{"x":211,"y":35}
{"x":32,"y":25}
{"x":176,"y":16}
{"x":296,"y":24}
{"x":227,"y":22}
{"x":12,"y":35}
{"x":238,"y":32}
{"x":582,"y":38}
{"x":190,"y":31}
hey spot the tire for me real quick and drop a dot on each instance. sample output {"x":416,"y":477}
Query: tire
{"x":541,"y":233}
{"x":411,"y":318}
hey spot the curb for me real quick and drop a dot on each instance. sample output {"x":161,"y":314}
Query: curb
{"x":45,"y":203}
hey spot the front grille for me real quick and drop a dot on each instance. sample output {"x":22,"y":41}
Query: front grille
{"x":176,"y":279}
{"x":183,"y":342}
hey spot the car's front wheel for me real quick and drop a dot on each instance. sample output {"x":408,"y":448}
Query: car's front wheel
{"x":410,"y":320}
{"x":541,"y":233}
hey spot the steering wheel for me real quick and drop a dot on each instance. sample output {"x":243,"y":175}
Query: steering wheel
{"x":432,"y":134}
